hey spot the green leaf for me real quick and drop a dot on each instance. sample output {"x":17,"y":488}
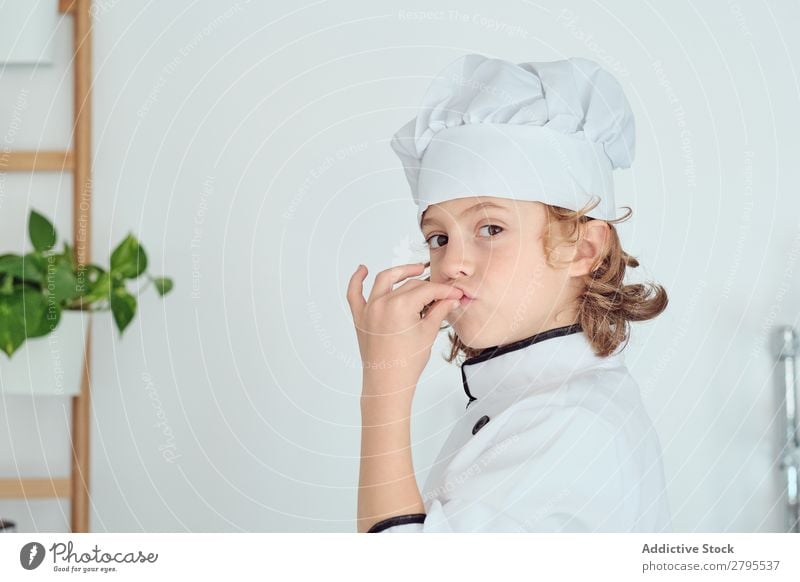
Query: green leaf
{"x":100,"y":289}
{"x":11,"y":264}
{"x":94,"y":271}
{"x":49,"y":321}
{"x":69,"y":255}
{"x":163,"y":285}
{"x":129,"y":259}
{"x":33,"y":268}
{"x":22,"y":315}
{"x":86,"y":277}
{"x":27,"y":268}
{"x":123,"y":306}
{"x":7,"y":288}
{"x":42,"y":233}
{"x":12,"y":329}
{"x":60,"y":280}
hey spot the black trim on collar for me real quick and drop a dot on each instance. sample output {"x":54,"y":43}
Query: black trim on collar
{"x":494,"y":351}
{"x":397,"y":520}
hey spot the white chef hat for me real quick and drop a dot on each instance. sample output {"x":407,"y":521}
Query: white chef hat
{"x":550,"y":131}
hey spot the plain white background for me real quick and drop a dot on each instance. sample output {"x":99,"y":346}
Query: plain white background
{"x":246,"y":145}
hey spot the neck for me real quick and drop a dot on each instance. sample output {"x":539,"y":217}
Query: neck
{"x":494,"y":351}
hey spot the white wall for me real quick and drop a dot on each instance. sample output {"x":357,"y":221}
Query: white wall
{"x":247,"y":146}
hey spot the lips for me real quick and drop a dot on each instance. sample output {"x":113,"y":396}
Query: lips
{"x":466,"y":299}
{"x":466,"y":295}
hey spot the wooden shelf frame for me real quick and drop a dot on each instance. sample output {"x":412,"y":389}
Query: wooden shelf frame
{"x":78,"y":161}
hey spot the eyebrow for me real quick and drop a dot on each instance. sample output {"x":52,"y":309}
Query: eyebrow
{"x":471,"y":209}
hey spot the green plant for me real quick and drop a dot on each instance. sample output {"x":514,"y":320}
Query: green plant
{"x":35,"y":288}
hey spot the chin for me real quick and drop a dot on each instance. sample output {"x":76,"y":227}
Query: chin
{"x":469,"y":338}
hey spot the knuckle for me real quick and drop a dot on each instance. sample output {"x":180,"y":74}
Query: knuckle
{"x":411,"y":284}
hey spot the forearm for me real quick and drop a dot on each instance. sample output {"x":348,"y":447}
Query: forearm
{"x":387,"y":485}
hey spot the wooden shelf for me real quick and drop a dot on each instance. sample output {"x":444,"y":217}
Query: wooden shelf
{"x":78,"y":161}
{"x":42,"y":161}
{"x":30,"y":488}
{"x":66,"y":6}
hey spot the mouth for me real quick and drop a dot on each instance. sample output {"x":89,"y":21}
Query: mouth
{"x":465,"y":300}
{"x":464,"y":291}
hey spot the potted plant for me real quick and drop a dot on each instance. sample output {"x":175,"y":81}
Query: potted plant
{"x":46,"y":293}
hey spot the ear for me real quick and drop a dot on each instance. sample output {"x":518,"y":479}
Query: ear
{"x":590,"y":248}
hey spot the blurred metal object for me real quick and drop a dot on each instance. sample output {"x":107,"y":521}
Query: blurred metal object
{"x":7,"y":526}
{"x":788,"y":350}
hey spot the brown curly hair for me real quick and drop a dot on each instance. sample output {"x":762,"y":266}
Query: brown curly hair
{"x":606,"y":305}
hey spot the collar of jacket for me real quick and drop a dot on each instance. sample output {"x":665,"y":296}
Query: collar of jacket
{"x":545,"y":358}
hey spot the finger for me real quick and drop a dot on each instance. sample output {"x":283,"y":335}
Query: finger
{"x":440,"y":309}
{"x":409,"y":284}
{"x":422,"y":295}
{"x":385,"y":280}
{"x":355,"y":290}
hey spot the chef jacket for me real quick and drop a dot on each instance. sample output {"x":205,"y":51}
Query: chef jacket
{"x":554,"y":439}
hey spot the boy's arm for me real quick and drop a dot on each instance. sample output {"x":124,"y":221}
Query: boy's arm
{"x":387,"y":485}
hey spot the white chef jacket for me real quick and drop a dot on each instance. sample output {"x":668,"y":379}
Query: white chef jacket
{"x":554,"y":439}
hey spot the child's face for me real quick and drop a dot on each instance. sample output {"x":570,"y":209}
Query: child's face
{"x":495,"y":254}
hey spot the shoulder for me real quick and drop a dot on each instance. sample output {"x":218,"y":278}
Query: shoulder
{"x":556,"y":425}
{"x":588,"y":403}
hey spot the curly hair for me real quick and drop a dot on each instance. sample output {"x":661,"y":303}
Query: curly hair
{"x":606,"y":305}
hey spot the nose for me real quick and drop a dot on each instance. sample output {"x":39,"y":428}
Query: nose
{"x":456,"y":263}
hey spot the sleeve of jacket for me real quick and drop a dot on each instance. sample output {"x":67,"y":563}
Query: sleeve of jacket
{"x":551,"y":470}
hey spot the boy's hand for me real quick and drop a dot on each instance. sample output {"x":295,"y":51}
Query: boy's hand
{"x":394,"y":339}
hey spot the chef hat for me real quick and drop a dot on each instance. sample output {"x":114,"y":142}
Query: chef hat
{"x":550,"y":131}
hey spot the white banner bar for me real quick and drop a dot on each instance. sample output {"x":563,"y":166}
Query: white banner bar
{"x":381,"y":557}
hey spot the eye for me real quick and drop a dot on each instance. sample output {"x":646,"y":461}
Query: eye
{"x":493,"y":226}
{"x":433,"y":238}
{"x":433,"y":243}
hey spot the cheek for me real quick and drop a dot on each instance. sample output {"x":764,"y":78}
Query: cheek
{"x":513,"y":274}
{"x":523,"y":282}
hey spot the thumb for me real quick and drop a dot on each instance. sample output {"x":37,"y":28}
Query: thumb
{"x":439,"y":311}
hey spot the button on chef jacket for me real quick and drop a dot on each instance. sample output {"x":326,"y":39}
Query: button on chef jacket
{"x":554,"y":439}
